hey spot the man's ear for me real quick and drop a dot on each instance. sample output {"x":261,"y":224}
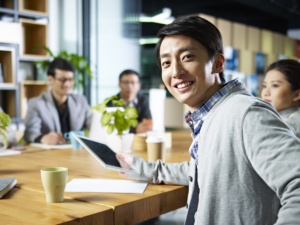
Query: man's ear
{"x":219,"y":62}
{"x":50,"y":79}
{"x":297,"y":96}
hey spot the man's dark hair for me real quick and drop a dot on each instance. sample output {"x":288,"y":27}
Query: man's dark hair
{"x":290,"y":68}
{"x":61,"y":64}
{"x":127,"y":72}
{"x":197,"y":28}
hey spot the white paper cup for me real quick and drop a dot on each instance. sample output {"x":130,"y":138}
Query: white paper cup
{"x":155,"y":148}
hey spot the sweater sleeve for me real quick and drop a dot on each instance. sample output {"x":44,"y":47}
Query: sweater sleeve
{"x":274,"y":152}
{"x":161,"y":173}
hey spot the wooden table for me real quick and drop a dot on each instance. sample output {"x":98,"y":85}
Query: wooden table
{"x":116,"y":208}
{"x":21,"y":206}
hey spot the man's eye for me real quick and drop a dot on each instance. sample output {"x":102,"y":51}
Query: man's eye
{"x":164,"y":64}
{"x":188,"y":56}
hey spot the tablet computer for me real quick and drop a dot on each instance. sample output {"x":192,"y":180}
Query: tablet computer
{"x":103,"y":153}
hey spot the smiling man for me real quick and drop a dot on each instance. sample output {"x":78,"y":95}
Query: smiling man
{"x":244,"y":166}
{"x":52,"y":114}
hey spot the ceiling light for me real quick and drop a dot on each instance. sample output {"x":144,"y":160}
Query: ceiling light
{"x":162,"y":18}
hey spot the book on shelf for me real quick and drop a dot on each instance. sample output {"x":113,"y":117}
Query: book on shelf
{"x":1,"y":74}
{"x":252,"y":84}
{"x":260,"y":63}
{"x":6,"y":184}
{"x":232,"y":58}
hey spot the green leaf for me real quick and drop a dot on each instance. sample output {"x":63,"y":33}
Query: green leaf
{"x":4,"y":119}
{"x":4,"y":137}
{"x":131,"y":112}
{"x":110,"y":128}
{"x":133,"y":122}
{"x":99,"y":108}
{"x":106,"y":118}
{"x":4,"y":122}
{"x":119,"y":102}
{"x":119,"y":120}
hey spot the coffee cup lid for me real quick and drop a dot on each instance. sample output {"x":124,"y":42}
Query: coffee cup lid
{"x":153,"y":139}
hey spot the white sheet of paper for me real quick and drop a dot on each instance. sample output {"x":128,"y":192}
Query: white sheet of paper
{"x":44,"y":146}
{"x":106,"y":185}
{"x":9,"y":152}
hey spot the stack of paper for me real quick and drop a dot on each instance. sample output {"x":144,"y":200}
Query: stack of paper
{"x":106,"y":185}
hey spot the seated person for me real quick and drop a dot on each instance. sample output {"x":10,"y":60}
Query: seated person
{"x":53,"y":113}
{"x":129,"y":83}
{"x":244,"y":165}
{"x":281,"y":88}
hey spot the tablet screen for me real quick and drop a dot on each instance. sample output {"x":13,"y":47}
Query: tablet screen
{"x":103,"y":154}
{"x":102,"y":151}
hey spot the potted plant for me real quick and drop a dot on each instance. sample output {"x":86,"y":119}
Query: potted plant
{"x":118,"y":122}
{"x":80,"y":63}
{"x":4,"y":122}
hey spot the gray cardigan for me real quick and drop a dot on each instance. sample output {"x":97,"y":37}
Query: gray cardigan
{"x":248,"y":169}
{"x":292,"y":118}
{"x":42,"y":116}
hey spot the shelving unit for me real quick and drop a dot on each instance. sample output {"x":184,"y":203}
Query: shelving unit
{"x":7,"y":66}
{"x":33,"y":7}
{"x":26,"y":33}
{"x":30,"y":89}
{"x":9,"y":100}
{"x":34,"y":39}
{"x":9,"y":106}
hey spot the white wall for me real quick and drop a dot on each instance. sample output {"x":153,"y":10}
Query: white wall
{"x":65,"y":26}
{"x":111,"y":51}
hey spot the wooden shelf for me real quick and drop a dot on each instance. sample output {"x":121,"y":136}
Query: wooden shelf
{"x":8,"y":102}
{"x":7,"y":61}
{"x":23,"y":40}
{"x":8,"y":4}
{"x":34,"y":6}
{"x":34,"y":38}
{"x":30,"y":89}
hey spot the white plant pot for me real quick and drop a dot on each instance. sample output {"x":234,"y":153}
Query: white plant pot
{"x":121,"y":143}
{"x":2,"y":145}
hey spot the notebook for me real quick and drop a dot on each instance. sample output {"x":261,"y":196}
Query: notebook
{"x":6,"y":184}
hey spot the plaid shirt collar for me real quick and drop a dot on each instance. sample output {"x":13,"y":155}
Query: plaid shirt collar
{"x":196,"y":119}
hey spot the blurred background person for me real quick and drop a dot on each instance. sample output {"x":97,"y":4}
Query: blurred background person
{"x":281,"y":87}
{"x":130,"y":84}
{"x":58,"y":111}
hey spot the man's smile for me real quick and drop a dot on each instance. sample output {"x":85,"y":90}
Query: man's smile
{"x":183,"y":85}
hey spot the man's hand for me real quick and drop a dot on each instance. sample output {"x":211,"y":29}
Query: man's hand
{"x":144,"y":126}
{"x":53,"y":138}
{"x":125,"y":159}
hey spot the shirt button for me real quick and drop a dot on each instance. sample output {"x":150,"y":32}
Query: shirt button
{"x":190,"y":179}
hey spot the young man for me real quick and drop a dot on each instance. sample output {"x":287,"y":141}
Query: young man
{"x":244,"y":166}
{"x":129,"y":83}
{"x":52,"y":114}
